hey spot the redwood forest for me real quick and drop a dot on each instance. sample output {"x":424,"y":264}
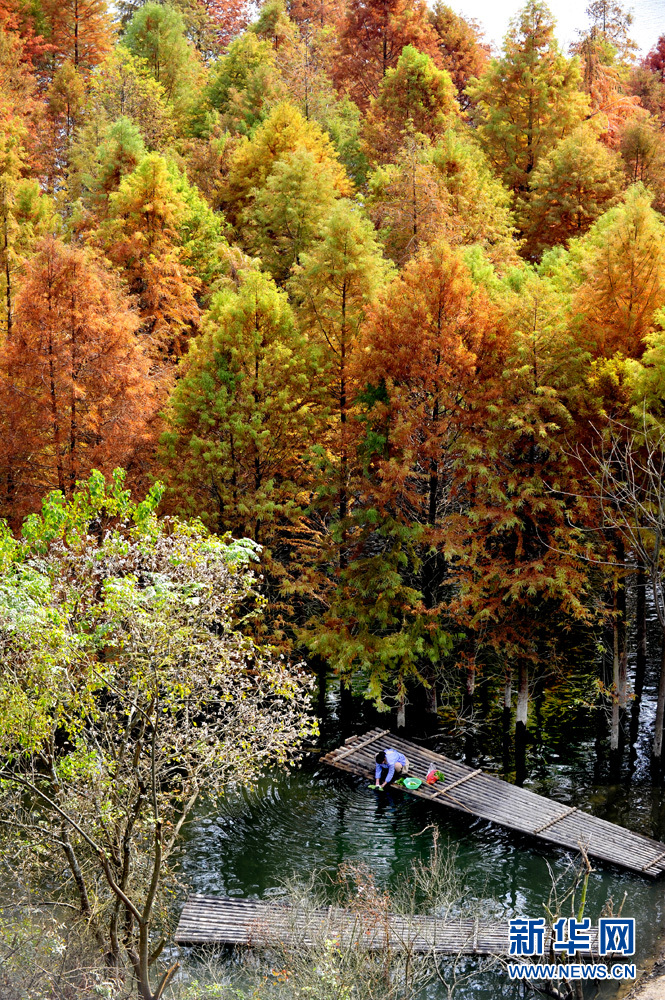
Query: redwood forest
{"x":332,"y":380}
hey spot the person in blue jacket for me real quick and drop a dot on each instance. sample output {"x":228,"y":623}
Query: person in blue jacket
{"x":390,"y":764}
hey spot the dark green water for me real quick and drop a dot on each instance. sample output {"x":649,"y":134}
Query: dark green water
{"x":316,"y":818}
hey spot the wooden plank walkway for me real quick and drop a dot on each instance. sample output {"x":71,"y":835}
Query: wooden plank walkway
{"x":254,"y":923}
{"x":488,"y":797}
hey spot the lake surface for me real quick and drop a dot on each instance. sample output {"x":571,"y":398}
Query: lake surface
{"x":317,"y":818}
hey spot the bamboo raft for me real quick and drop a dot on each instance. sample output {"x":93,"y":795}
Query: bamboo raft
{"x":488,"y":797}
{"x":253,"y":923}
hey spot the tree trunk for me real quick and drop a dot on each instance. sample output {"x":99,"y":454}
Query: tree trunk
{"x":505,"y":720}
{"x":344,"y":459}
{"x":640,"y":663}
{"x":471,"y":678}
{"x":321,"y":679}
{"x":641,"y":611}
{"x":432,"y":705}
{"x":614,"y":728}
{"x":73,"y":415}
{"x":508,"y":693}
{"x":76,"y":35}
{"x":55,"y":422}
{"x":401,"y":711}
{"x":342,"y":419}
{"x":520,"y":723}
{"x":660,"y":709}
{"x":345,"y":700}
{"x":8,"y":276}
{"x":621,"y":631}
{"x":522,"y":695}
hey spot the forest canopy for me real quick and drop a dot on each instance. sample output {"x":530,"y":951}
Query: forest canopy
{"x":351,"y":285}
{"x":357,"y":289}
{"x":372,"y":316}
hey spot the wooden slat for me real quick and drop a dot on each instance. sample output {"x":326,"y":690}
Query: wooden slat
{"x":220,"y":920}
{"x":556,"y":819}
{"x":650,"y":864}
{"x":361,"y":746}
{"x":460,"y":781}
{"x":495,"y":800}
{"x":212,"y":920}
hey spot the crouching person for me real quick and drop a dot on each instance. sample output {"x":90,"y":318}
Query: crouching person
{"x":390,"y":764}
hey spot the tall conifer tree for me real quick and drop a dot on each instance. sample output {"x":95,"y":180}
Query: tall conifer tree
{"x":528,"y":99}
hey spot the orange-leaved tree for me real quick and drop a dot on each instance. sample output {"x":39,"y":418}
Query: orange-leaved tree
{"x":141,"y":237}
{"x":80,"y":31}
{"x":428,"y":354}
{"x":521,"y":585}
{"x":372,"y":36}
{"x":462,"y":52}
{"x":76,"y":393}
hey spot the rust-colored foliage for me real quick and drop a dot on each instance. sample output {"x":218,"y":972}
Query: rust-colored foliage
{"x":604,"y":81}
{"x":397,"y":443}
{"x":230,"y":17}
{"x":20,"y":110}
{"x":312,"y":14}
{"x":17,"y":19}
{"x":517,"y":570}
{"x":371,"y":39}
{"x":142,"y":239}
{"x":462,"y":52}
{"x":428,"y":357}
{"x":623,"y":287}
{"x":75,"y":393}
{"x":431,"y":345}
{"x":655,"y":61}
{"x":79,"y":30}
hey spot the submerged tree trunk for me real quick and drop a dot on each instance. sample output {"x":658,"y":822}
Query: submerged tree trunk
{"x":401,"y":711}
{"x":320,"y":666}
{"x":641,"y":637}
{"x":345,"y":700}
{"x":431,"y":699}
{"x":614,"y":727}
{"x":660,"y":710}
{"x":522,"y":695}
{"x":520,"y":722}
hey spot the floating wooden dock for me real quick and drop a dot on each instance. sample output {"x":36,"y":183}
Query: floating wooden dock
{"x":488,"y":797}
{"x":254,"y":923}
